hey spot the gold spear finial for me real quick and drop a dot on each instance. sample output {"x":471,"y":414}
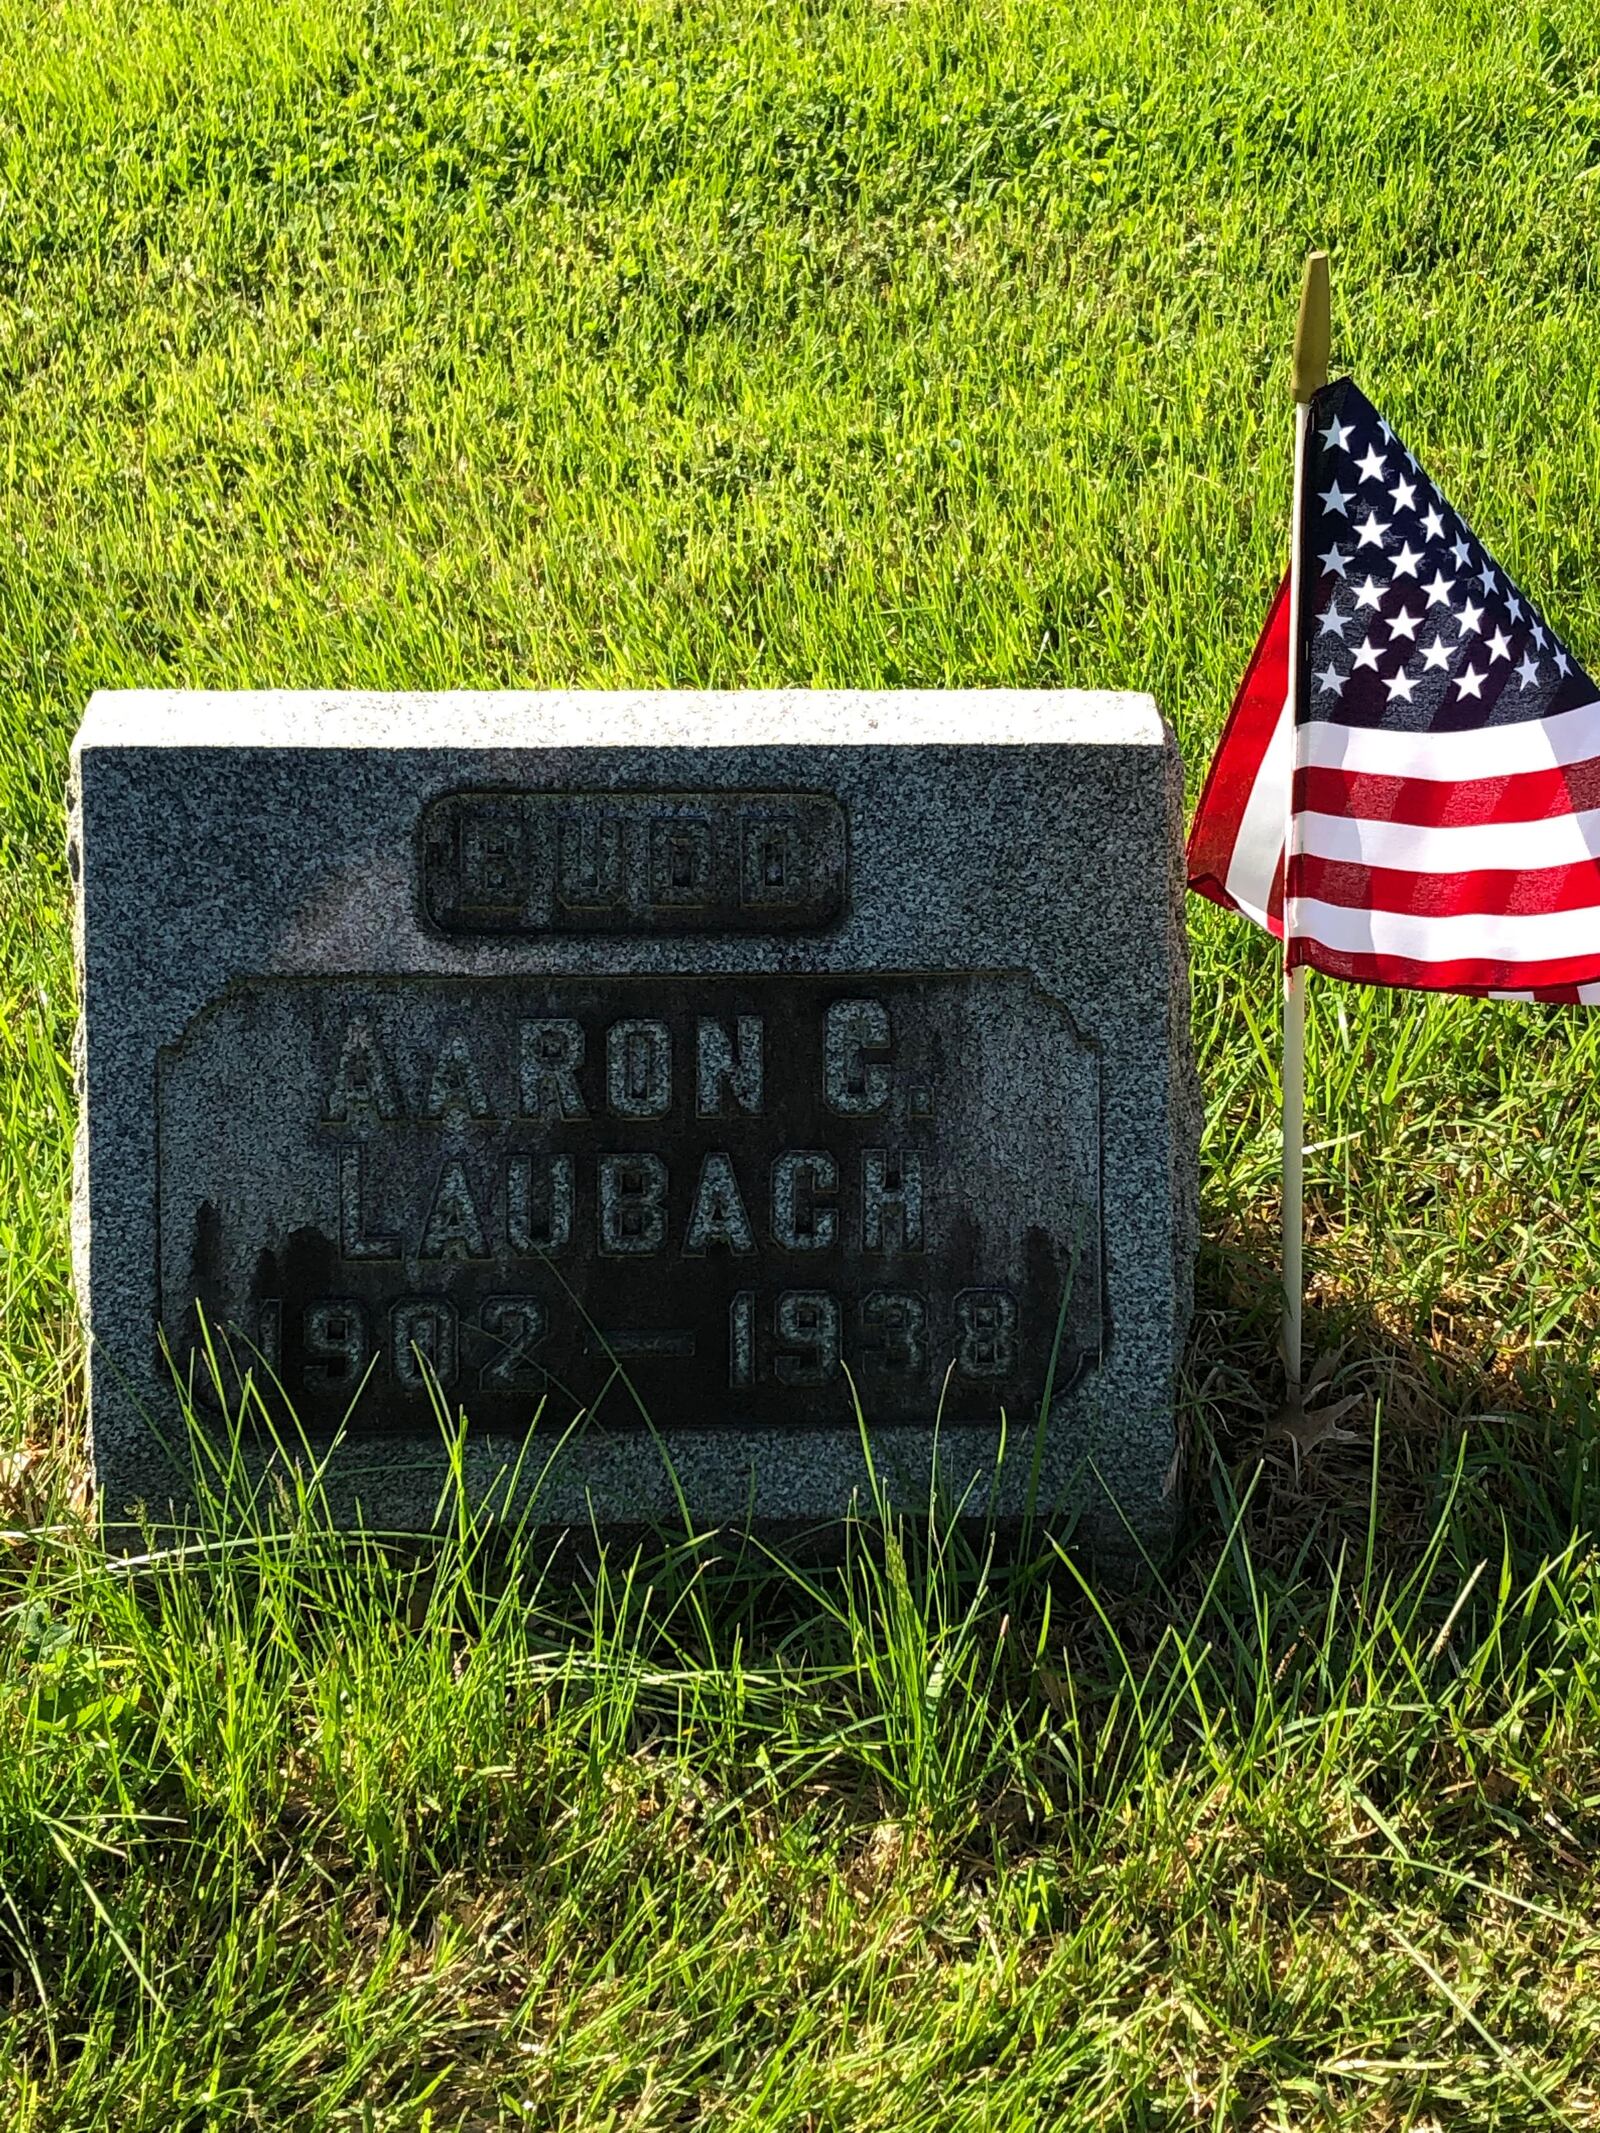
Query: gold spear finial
{"x":1313,"y":330}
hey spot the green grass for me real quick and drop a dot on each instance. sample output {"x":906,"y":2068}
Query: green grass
{"x":473,"y":342}
{"x":303,"y":1832}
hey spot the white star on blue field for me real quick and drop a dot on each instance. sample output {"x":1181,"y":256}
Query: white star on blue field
{"x":1409,"y":622}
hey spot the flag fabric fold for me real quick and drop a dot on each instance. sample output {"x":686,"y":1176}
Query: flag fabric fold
{"x":1236,"y":842}
{"x":1443,"y":758}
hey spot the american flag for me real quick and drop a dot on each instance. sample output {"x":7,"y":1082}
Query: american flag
{"x":1445,"y":751}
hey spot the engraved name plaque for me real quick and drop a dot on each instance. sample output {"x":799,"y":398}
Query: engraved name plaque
{"x":632,"y":862}
{"x":708,"y":1199}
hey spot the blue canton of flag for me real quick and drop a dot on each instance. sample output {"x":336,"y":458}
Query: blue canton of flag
{"x":1412,"y":625}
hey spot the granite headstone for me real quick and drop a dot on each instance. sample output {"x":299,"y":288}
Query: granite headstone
{"x":681,"y":1067}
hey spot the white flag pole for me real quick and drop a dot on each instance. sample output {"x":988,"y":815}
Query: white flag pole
{"x":1310,"y":374}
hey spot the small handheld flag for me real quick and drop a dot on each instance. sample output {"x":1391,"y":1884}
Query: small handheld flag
{"x":1440,"y":774}
{"x":1407,"y":790}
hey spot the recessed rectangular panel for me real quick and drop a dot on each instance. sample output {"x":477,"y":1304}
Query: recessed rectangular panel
{"x":699,"y":1200}
{"x":518,"y":862}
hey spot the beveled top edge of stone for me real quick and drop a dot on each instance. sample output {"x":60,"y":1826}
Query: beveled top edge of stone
{"x":620,"y":718}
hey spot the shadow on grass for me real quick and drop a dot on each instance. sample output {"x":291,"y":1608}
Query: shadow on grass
{"x":1416,"y":1462}
{"x":1418,"y":1454}
{"x":1429,"y":1502}
{"x":1402,"y":1427}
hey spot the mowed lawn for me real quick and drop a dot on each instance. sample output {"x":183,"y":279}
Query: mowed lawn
{"x":480,"y":343}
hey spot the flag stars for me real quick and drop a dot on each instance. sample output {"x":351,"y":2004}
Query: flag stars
{"x":1372,"y":530}
{"x":1387,"y":530}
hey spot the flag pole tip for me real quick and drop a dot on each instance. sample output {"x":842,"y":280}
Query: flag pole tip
{"x":1313,"y":330}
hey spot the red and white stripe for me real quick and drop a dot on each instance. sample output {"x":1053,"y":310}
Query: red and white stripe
{"x":1447,"y":861}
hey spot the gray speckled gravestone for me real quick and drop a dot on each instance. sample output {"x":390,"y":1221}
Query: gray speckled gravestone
{"x":672,"y":1061}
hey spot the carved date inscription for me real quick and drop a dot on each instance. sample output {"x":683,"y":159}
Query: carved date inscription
{"x":632,"y":862}
{"x":701,"y":1200}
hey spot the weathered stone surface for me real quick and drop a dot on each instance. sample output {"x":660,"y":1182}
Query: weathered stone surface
{"x":685,"y":1061}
